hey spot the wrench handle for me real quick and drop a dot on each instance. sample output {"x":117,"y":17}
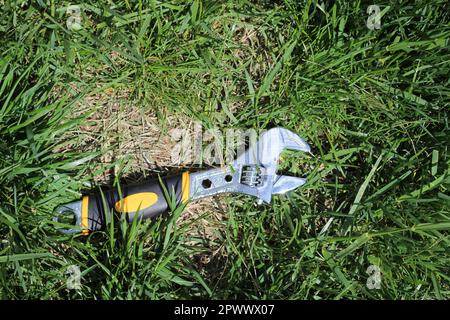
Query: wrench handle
{"x":146,"y":199}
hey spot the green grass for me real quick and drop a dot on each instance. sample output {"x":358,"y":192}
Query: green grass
{"x":372,"y":104}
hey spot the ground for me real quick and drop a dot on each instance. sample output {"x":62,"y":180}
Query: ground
{"x":91,"y":95}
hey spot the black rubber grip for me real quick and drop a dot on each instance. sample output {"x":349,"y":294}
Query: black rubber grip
{"x":147,"y":199}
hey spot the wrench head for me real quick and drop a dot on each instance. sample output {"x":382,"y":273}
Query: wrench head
{"x":254,"y":171}
{"x":266,"y":151}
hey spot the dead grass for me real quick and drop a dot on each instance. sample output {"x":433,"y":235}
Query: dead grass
{"x":133,"y":135}
{"x":137,"y":143}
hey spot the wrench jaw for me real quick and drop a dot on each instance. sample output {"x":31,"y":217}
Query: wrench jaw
{"x":285,"y":184}
{"x":266,"y":151}
{"x":254,"y":172}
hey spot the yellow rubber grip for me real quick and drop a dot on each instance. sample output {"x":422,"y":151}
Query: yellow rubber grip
{"x":85,"y":215}
{"x":185,"y":187}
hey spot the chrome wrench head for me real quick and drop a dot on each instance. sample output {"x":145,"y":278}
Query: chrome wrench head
{"x":253,"y":172}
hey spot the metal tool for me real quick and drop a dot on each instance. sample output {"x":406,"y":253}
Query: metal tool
{"x":252,"y":173}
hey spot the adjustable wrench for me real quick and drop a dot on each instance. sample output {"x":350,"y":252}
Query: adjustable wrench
{"x":252,"y":173}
